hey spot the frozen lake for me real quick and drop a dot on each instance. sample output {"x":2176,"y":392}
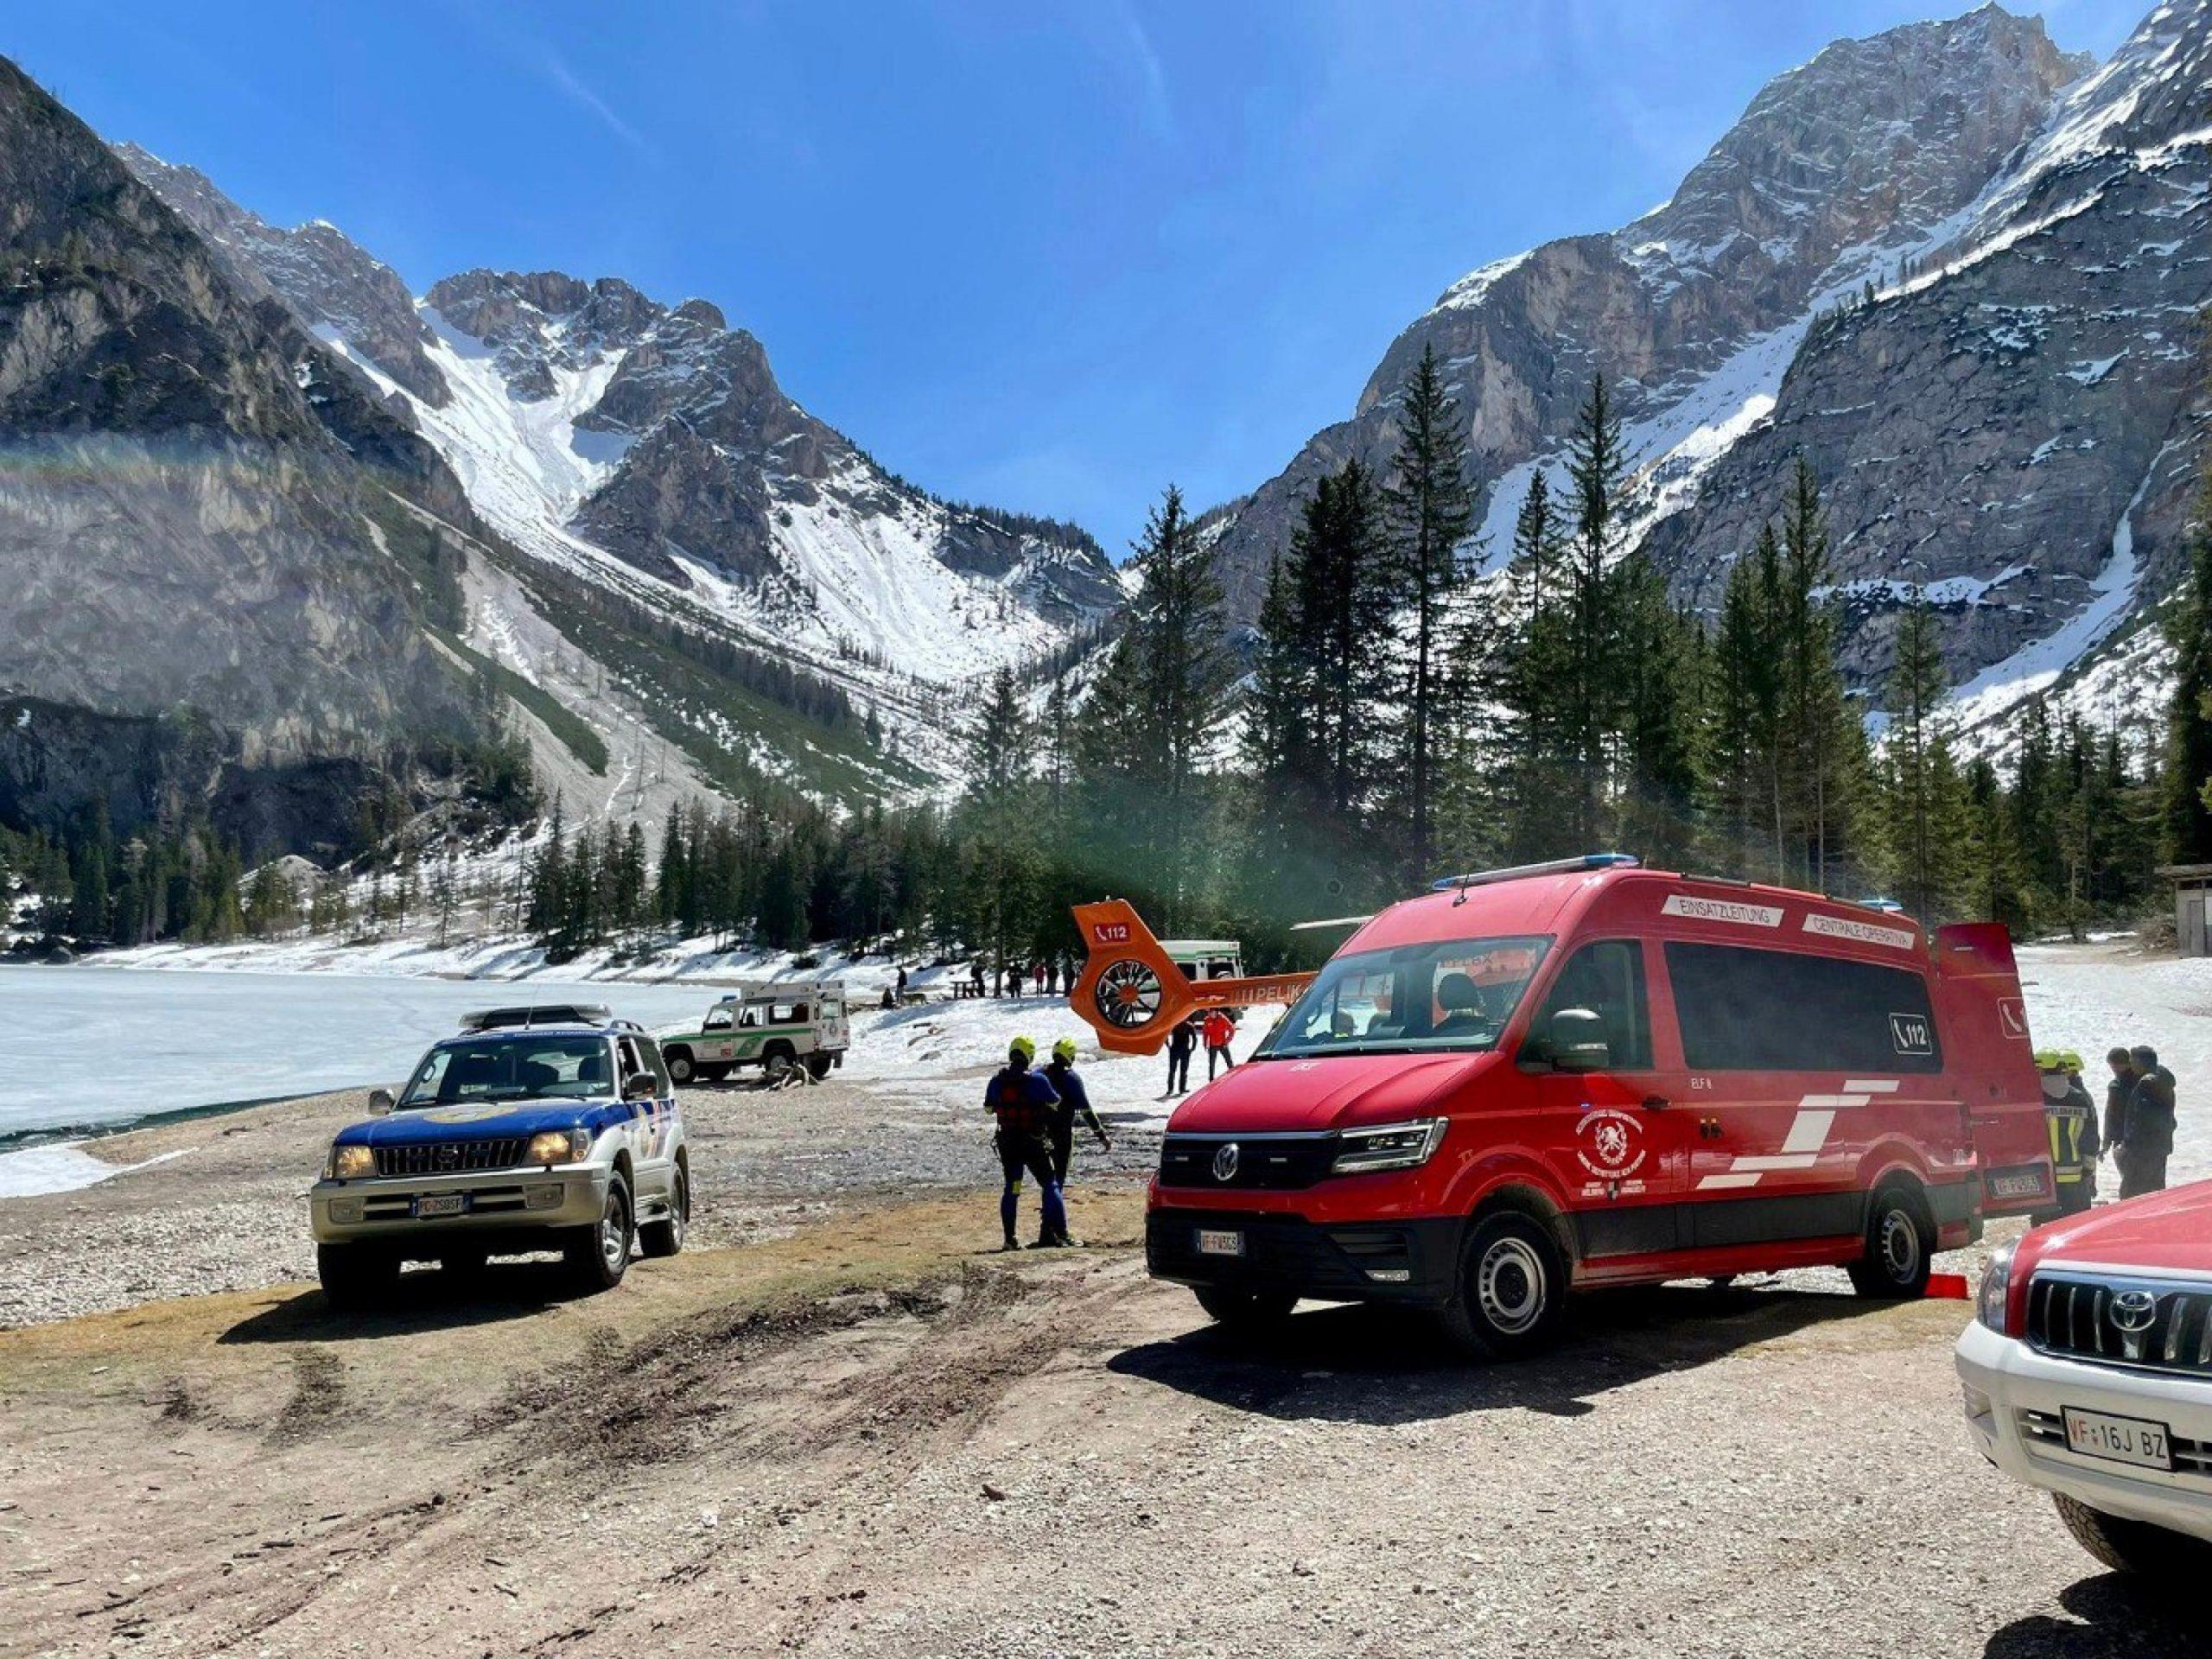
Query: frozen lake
{"x":85,"y":1046}
{"x":82,"y":1047}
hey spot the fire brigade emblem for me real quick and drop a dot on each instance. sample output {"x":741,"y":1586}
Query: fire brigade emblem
{"x":1609,"y":1144}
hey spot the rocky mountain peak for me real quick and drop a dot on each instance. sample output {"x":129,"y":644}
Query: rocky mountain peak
{"x":330,"y":283}
{"x":1834,"y":170}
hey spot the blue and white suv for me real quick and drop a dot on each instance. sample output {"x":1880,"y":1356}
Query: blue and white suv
{"x":534,"y":1130}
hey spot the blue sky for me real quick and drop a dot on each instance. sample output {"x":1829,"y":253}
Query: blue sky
{"x":1048,"y":255}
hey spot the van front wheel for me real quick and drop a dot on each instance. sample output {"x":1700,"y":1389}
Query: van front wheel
{"x":1244,"y":1310}
{"x":1900,"y":1248}
{"x":1512,"y":1291}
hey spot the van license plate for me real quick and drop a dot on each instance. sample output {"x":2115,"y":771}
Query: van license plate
{"x":2029,"y":1185}
{"x":2119,"y":1439}
{"x":441,"y":1204}
{"x":1220,"y":1244}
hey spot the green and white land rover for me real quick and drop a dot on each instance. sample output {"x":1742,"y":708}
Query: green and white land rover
{"x":780,"y":1026}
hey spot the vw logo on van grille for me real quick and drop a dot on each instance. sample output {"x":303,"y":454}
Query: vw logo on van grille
{"x":1224,"y":1161}
{"x":2134,"y":1311}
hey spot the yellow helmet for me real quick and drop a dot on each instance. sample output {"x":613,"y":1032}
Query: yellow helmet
{"x":1065,"y":1049}
{"x":1025,"y":1046}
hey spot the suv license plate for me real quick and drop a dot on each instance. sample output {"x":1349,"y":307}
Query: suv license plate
{"x":1221,"y":1244}
{"x":441,"y":1204}
{"x":2119,"y":1439}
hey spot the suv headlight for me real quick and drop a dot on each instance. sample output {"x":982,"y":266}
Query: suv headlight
{"x":349,"y":1163}
{"x":1996,"y":1293}
{"x":557,"y":1147}
{"x":1387,"y":1146}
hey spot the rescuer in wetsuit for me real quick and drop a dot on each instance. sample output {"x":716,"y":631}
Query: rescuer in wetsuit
{"x":2071,"y":1118}
{"x":1023,"y":1102}
{"x":1075,"y":1103}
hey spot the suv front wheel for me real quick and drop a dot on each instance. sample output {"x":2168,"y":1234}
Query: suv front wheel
{"x":2133,"y":1545}
{"x":599,"y":1256}
{"x":355,"y":1275}
{"x":1512,"y":1291}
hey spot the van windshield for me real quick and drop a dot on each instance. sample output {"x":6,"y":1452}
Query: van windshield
{"x":1451,"y":995}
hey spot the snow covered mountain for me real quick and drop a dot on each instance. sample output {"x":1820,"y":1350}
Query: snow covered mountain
{"x":2012,"y":422}
{"x":1835,"y":173}
{"x":647,"y":452}
{"x":2017,"y":429}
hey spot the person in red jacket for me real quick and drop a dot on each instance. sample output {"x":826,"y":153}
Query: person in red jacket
{"x":1219,"y":1028}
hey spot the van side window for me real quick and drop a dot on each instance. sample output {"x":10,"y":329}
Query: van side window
{"x":1607,"y":978}
{"x":1744,"y":1010}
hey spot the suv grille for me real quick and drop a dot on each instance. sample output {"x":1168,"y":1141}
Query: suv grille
{"x":449,"y":1157}
{"x":1266,"y":1163}
{"x":2152,"y":1323}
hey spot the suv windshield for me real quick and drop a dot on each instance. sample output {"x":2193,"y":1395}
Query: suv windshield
{"x":511,"y":1068}
{"x":1451,"y":995}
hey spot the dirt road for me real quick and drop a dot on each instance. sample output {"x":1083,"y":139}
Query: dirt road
{"x":863,"y":1438}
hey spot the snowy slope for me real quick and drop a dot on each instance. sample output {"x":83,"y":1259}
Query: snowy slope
{"x":2016,"y":427}
{"x":649,"y":451}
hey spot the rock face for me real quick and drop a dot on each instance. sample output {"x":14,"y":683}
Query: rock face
{"x":192,"y":502}
{"x":2019,"y":426}
{"x":324,"y":277}
{"x":587,"y":418}
{"x":1834,"y":171}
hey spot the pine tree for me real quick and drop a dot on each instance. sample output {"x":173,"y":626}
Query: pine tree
{"x":1342,"y":596}
{"x":1536,"y":542}
{"x":1590,"y":693}
{"x":997,"y":749}
{"x":1822,"y":747}
{"x":1917,"y":683}
{"x":1159,"y":697}
{"x":1665,"y":661}
{"x":1428,"y":515}
{"x":1746,"y":701}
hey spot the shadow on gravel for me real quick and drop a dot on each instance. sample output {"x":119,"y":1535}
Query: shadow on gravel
{"x":2119,"y":1615}
{"x":505,"y":1291}
{"x":1386,"y":1366}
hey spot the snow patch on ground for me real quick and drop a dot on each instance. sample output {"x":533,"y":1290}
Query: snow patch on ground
{"x":65,"y":1167}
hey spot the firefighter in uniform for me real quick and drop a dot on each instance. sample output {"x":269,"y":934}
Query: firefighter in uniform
{"x":2071,"y":1118}
{"x":1022,"y":1100}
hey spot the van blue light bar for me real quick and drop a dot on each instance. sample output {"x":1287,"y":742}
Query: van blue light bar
{"x":1552,"y":867}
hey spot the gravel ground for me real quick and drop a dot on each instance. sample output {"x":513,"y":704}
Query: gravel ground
{"x":1021,"y":1456}
{"x":226,"y":1209}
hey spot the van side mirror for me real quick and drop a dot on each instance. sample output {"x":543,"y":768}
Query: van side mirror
{"x":1578,"y":1041}
{"x":380,"y":1102}
{"x":640,"y":1086}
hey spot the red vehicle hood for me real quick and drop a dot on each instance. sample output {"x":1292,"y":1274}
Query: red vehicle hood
{"x":1329,"y":1093}
{"x":2171,"y":1230}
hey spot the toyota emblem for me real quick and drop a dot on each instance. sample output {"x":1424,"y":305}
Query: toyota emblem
{"x":449,"y":1156}
{"x":1224,"y":1161}
{"x":2134,"y":1311}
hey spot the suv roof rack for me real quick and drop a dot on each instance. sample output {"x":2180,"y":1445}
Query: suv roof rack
{"x":1550,"y":867}
{"x":541,"y":1014}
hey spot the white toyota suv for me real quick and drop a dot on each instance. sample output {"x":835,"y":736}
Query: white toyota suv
{"x":2087,"y":1371}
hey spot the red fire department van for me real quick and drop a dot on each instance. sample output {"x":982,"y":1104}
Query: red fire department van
{"x":1582,"y":1074}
